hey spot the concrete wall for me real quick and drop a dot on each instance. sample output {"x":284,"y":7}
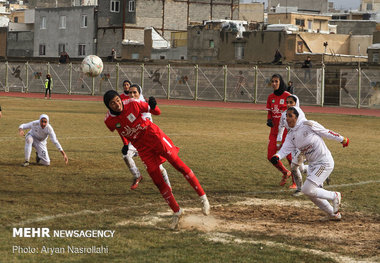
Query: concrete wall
{"x":48,"y":3}
{"x":337,"y":43}
{"x":320,"y":6}
{"x":177,"y":15}
{"x":72,"y":36}
{"x":319,"y":23}
{"x":20,"y":44}
{"x":363,"y":41}
{"x":355,"y":27}
{"x":253,"y":12}
{"x":3,"y":41}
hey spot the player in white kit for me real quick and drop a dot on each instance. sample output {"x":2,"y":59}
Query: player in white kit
{"x":306,"y":136}
{"x":37,"y":136}
{"x":297,"y":165}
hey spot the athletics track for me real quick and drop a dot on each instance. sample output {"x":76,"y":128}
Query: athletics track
{"x":213,"y":104}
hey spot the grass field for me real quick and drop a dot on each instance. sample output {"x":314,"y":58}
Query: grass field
{"x":252,"y":219}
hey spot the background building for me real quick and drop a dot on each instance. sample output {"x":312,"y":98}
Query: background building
{"x":67,"y":29}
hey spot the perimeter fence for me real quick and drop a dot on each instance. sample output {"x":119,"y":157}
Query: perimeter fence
{"x":353,"y":86}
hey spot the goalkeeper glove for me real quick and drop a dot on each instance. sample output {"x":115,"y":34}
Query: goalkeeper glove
{"x":270,"y":123}
{"x":345,"y":142}
{"x":124,"y":150}
{"x":274,"y":160}
{"x":152,"y":103}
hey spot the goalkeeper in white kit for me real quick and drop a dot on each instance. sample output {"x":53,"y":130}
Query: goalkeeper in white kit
{"x":37,"y":136}
{"x":306,"y":136}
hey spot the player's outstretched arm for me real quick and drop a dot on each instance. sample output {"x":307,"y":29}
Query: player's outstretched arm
{"x":65,"y":157}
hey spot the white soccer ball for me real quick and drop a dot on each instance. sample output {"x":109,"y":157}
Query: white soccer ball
{"x":92,"y":66}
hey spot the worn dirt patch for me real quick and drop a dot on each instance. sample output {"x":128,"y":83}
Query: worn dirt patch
{"x":355,"y":234}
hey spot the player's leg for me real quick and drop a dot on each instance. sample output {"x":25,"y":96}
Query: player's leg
{"x":154,"y":172}
{"x":28,"y":148}
{"x":165,"y":175}
{"x":272,"y":149}
{"x":317,"y":175}
{"x":42,"y":152}
{"x":191,"y":178}
{"x":297,"y":159}
{"x":128,"y":159}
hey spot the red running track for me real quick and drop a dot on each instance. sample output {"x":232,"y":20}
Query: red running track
{"x":212,"y":104}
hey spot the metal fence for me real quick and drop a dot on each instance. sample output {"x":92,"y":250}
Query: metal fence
{"x":355,"y":87}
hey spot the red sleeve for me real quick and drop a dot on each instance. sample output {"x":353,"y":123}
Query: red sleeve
{"x":156,"y":111}
{"x":125,"y":140}
{"x":144,"y":107}
{"x":269,"y":107}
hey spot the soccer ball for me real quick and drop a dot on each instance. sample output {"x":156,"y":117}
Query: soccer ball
{"x":92,"y":66}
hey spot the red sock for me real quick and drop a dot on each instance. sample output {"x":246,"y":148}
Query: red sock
{"x":165,"y":190}
{"x":186,"y":171}
{"x":281,"y":168}
{"x":167,"y":194}
{"x":193,"y":181}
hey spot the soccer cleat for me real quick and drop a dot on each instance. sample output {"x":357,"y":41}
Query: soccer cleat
{"x":285,"y":177}
{"x":336,"y":202}
{"x":25,"y":164}
{"x":136,"y":182}
{"x":336,"y":217}
{"x":297,"y":193}
{"x":206,"y":205}
{"x":38,"y":159}
{"x":293,"y":186}
{"x":176,"y":219}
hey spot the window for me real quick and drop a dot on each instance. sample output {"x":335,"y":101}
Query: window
{"x":61,"y":48}
{"x":43,"y":22}
{"x":211,"y":44}
{"x":132,"y":6}
{"x":115,"y":6}
{"x":309,"y":24}
{"x":15,"y":19}
{"x":135,"y":56}
{"x":369,"y":6}
{"x":42,"y":50}
{"x":375,"y":57}
{"x":81,"y":50}
{"x":300,"y":22}
{"x":62,"y":22}
{"x":84,"y":21}
{"x":239,"y":50}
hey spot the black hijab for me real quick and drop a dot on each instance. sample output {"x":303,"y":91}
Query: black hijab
{"x":107,"y":97}
{"x":282,"y":87}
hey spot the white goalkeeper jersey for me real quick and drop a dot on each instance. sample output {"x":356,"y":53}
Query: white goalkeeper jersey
{"x":41,"y":134}
{"x":307,"y":137}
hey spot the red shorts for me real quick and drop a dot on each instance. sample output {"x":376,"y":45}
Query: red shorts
{"x":154,"y":146}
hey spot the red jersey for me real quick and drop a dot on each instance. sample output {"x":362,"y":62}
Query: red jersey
{"x":149,"y":140}
{"x":124,"y":96}
{"x":276,"y":105}
{"x":129,"y":123}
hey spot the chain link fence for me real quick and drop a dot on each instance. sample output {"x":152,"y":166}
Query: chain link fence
{"x":349,"y":86}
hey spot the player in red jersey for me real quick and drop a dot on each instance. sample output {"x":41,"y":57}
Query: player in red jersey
{"x":276,"y":104}
{"x":153,"y":145}
{"x":126,"y":85}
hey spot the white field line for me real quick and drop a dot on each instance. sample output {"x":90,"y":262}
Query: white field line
{"x":228,"y":238}
{"x":83,"y":212}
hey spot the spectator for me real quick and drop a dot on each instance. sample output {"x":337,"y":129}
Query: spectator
{"x":290,"y":88}
{"x":307,"y":66}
